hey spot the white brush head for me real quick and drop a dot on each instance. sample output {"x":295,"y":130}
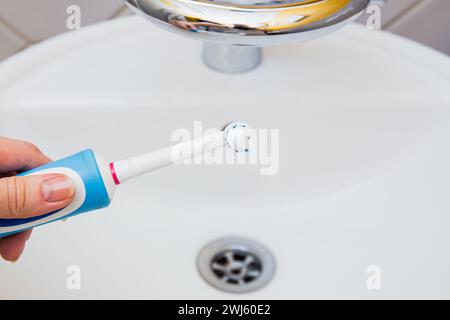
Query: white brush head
{"x":237,"y":136}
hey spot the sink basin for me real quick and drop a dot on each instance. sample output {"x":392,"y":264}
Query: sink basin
{"x":363,"y":179}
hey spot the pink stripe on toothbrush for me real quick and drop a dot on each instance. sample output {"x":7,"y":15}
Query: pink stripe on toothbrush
{"x":113,"y":173}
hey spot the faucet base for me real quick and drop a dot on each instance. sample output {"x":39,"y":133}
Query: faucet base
{"x":231,"y":58}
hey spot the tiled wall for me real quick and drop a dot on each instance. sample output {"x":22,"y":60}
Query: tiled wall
{"x":25,"y":22}
{"x":429,"y":23}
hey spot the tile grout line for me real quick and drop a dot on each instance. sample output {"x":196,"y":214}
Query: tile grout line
{"x":405,"y":14}
{"x":14,"y":30}
{"x":118,"y":12}
{"x":28,"y":42}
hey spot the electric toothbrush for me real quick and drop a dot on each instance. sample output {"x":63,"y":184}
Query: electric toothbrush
{"x":95,"y":180}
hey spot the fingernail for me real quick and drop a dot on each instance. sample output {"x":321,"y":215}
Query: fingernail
{"x":58,"y":188}
{"x":17,"y":259}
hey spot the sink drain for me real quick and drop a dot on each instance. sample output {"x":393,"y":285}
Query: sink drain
{"x":236,"y":265}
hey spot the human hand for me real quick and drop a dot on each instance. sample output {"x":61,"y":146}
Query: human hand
{"x":183,"y":24}
{"x":24,"y":197}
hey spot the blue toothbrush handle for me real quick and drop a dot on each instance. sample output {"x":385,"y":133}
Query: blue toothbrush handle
{"x":90,"y":191}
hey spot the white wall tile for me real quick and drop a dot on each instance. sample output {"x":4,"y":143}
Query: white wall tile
{"x":428,"y":23}
{"x":10,"y":43}
{"x":40,"y":19}
{"x":391,"y":10}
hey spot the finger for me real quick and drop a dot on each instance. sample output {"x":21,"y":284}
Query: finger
{"x":11,"y":247}
{"x":7,"y":174}
{"x":19,"y":155}
{"x":29,"y":196}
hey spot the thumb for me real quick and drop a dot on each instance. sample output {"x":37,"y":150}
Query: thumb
{"x":23,"y":197}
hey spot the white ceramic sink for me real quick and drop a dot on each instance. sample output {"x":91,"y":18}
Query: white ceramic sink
{"x":364,"y":175}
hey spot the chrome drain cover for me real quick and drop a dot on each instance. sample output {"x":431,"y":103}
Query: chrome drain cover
{"x":236,"y":265}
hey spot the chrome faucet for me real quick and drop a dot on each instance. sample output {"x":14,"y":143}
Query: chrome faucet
{"x":234,"y":31}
